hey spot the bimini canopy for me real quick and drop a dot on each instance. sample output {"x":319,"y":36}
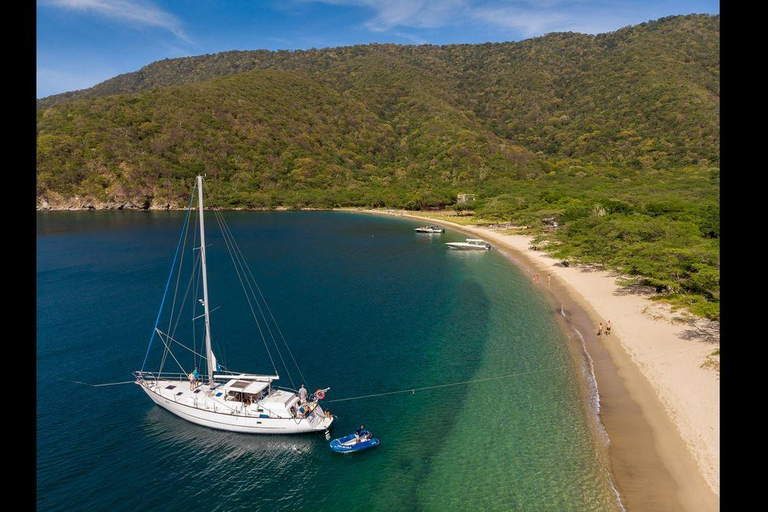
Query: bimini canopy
{"x":245,"y":386}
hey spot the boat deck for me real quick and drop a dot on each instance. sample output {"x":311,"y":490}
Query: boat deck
{"x":216,"y":400}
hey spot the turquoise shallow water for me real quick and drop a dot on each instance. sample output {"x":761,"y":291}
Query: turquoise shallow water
{"x":367,"y":306}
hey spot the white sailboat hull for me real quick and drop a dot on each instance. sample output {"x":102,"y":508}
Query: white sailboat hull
{"x":236,"y":419}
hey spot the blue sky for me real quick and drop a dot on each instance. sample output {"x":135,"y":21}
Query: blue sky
{"x":83,"y":42}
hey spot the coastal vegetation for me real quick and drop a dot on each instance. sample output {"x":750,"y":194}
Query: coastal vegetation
{"x":606,"y":146}
{"x":712,"y":361}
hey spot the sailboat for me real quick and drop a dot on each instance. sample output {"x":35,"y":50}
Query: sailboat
{"x":223,"y":399}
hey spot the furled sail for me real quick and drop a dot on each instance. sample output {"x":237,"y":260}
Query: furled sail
{"x":214,"y":362}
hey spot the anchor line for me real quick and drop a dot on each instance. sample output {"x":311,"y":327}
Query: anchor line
{"x":450,"y":384}
{"x":102,"y":385}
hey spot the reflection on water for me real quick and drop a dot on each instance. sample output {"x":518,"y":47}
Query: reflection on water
{"x":240,"y":468}
{"x":169,"y":429}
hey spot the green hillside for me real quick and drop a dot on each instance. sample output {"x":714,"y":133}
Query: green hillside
{"x":269,"y":138}
{"x":614,"y":137}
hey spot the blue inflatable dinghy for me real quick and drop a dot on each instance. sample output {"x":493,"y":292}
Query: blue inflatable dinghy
{"x":348,"y":444}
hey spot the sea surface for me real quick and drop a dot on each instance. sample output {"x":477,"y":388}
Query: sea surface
{"x":367,"y":306}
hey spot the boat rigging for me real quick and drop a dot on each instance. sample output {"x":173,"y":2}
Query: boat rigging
{"x":226,"y":400}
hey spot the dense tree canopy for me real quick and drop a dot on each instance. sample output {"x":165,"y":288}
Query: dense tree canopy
{"x":615,"y":137}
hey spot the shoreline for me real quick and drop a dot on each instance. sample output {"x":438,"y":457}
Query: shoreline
{"x":658,"y":405}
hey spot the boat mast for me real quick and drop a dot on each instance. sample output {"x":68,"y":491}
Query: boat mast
{"x":208,"y":352}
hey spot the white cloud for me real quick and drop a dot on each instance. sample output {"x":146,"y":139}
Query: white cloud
{"x":139,"y":12}
{"x":533,"y":20}
{"x":407,"y":13}
{"x":524,"y":17}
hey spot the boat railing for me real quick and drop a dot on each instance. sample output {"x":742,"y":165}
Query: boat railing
{"x":218,"y":376}
{"x":155,"y":376}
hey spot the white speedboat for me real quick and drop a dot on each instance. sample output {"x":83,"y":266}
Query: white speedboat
{"x":430,"y":229}
{"x":222,"y":399}
{"x":472,"y":244}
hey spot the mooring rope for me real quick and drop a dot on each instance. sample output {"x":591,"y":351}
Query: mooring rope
{"x":401,"y":391}
{"x":450,"y":384}
{"x":597,"y":370}
{"x":102,"y":385}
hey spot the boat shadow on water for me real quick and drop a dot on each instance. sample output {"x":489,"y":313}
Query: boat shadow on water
{"x":246,"y":467}
{"x":166,"y":428}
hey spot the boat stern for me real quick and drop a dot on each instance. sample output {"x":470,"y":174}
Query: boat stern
{"x":321,"y":420}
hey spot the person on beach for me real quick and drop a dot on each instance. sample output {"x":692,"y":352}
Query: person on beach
{"x":600,"y":328}
{"x":608,"y":328}
{"x":549,"y":279}
{"x":302,"y":393}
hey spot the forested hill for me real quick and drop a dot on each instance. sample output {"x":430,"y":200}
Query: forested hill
{"x":616,"y":132}
{"x":383,"y":121}
{"x":645,"y":96}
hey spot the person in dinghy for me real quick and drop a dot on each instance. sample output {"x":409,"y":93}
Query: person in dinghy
{"x":361,"y":434}
{"x":360,"y":440}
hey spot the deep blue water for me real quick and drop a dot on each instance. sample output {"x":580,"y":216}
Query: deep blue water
{"x":367,"y":306}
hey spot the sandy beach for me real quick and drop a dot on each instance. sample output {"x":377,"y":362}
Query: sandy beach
{"x":659,"y":388}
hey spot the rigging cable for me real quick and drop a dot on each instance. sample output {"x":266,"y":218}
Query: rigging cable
{"x":167,"y":285}
{"x":176,"y":292}
{"x":239,"y":259}
{"x":250,"y":305}
{"x":197,"y":269}
{"x":168,"y":350}
{"x":181,"y":308}
{"x":168,"y":336}
{"x":266,"y":305}
{"x":186,"y":294}
{"x":178,"y":279}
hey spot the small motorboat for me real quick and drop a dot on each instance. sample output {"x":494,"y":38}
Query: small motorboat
{"x":430,"y":229}
{"x":471,"y":244}
{"x":350,"y":443}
